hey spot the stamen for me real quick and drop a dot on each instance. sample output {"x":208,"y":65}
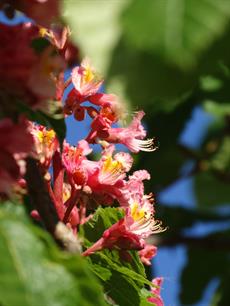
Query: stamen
{"x":146,"y":145}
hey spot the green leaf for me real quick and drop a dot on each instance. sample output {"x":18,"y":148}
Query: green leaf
{"x":31,"y":274}
{"x":102,"y":219}
{"x":178,"y":30}
{"x":216,"y":109}
{"x":159,"y":73}
{"x":215,"y":90}
{"x":221,"y":160}
{"x":203,"y":265}
{"x":153,"y":52}
{"x":222,"y":295}
{"x":210,"y":190}
{"x":147,"y":79}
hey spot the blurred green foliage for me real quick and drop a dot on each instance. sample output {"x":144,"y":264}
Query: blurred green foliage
{"x":168,"y":57}
{"x":35,"y":272}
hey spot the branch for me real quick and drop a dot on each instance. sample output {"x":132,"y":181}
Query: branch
{"x":40,"y":197}
{"x":203,"y":242}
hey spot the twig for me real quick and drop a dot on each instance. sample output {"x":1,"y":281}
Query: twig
{"x":204,"y":242}
{"x":40,"y":197}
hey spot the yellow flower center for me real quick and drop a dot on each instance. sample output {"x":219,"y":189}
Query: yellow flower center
{"x":112,"y":166}
{"x":88,"y":75}
{"x":46,"y":137}
{"x":137,"y":213}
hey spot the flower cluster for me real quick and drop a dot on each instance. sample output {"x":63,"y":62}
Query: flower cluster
{"x":32,"y":74}
{"x":85,"y":183}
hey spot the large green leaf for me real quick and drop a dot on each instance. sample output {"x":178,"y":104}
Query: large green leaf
{"x":34,"y":272}
{"x":178,"y":30}
{"x":146,"y":79}
{"x":153,"y":51}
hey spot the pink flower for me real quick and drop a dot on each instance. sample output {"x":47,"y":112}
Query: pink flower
{"x":85,"y":80}
{"x":41,"y":83}
{"x":19,"y":57}
{"x":101,"y":180}
{"x":106,"y":177}
{"x":156,"y":299}
{"x":147,"y":254}
{"x":15,"y":144}
{"x":46,"y":144}
{"x":108,"y":102}
{"x":129,"y":232}
{"x":15,"y":137}
{"x":72,"y":159}
{"x":132,"y":136}
{"x":133,"y":186}
{"x":117,"y":236}
{"x":23,"y":72}
{"x":114,"y":168}
{"x":57,"y":35}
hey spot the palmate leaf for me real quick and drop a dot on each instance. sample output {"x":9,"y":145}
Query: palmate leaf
{"x":122,"y":280}
{"x":34,"y":272}
{"x":166,"y":46}
{"x":152,"y":51}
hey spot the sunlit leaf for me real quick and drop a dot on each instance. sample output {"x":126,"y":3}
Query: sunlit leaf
{"x":178,"y":30}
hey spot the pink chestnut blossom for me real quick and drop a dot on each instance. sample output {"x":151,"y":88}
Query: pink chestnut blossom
{"x":72,"y":159}
{"x":46,"y":144}
{"x":133,"y":186}
{"x":19,"y":57}
{"x":132,"y":136}
{"x":129,"y":232}
{"x":147,"y":253}
{"x":86,"y":84}
{"x":117,"y":236}
{"x":85,"y":80}
{"x":15,"y":144}
{"x":156,"y":299}
{"x":24,"y":73}
{"x":102,"y":180}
